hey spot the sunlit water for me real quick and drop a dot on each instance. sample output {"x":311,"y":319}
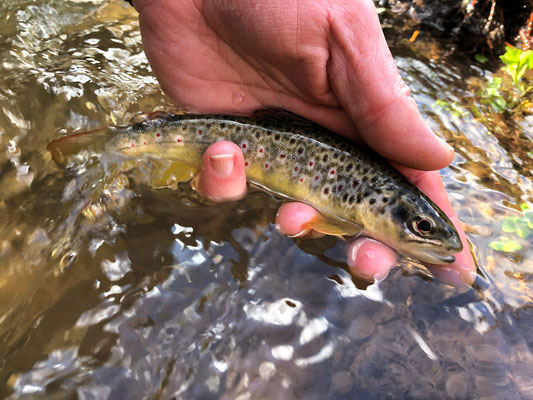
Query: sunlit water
{"x":112,"y":289}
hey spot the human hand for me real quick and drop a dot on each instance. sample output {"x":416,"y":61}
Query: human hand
{"x":223,"y":178}
{"x":326,"y":61}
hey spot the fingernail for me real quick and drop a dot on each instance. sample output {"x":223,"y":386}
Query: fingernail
{"x":223,"y":164}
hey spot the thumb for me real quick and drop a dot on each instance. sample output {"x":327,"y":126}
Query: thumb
{"x":366,"y":81}
{"x":222,"y":176}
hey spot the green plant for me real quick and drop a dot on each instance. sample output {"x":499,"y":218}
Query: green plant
{"x":481,"y":58}
{"x":454,"y":108}
{"x":491,"y":95}
{"x":522,"y":226}
{"x":517,"y":63}
{"x":500,"y":95}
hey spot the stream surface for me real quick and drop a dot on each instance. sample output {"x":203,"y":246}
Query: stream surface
{"x":110,"y":288}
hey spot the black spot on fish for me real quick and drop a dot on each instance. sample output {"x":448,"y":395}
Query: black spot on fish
{"x":364,"y":179}
{"x":345,"y":197}
{"x":326,"y":190}
{"x":238,"y":129}
{"x":359,"y":198}
{"x":325,"y":158}
{"x":385,"y":199}
{"x":355,"y":183}
{"x":365,"y":170}
{"x":378,"y":191}
{"x":335,"y":155}
{"x":222,"y":125}
{"x":292,"y":141}
{"x":374,"y":179}
{"x":399,"y":213}
{"x":349,"y":167}
{"x":382,"y":210}
{"x":367,"y":193}
{"x":257,"y":135}
{"x":300,"y":150}
{"x":351,"y":199}
{"x":342,"y":158}
{"x":277,"y":137}
{"x":372,"y":201}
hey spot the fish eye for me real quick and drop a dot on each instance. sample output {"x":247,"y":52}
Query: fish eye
{"x":423,"y":225}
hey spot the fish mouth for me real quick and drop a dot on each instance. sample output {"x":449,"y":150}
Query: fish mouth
{"x":434,"y":257}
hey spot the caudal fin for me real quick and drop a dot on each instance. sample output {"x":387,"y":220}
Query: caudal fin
{"x":62,"y":148}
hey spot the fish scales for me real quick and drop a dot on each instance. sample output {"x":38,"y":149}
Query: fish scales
{"x":298,"y":159}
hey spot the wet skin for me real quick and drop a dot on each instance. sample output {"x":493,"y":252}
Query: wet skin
{"x":327,"y":61}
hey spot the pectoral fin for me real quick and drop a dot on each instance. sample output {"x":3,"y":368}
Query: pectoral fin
{"x":333,"y":226}
{"x":169,"y":174}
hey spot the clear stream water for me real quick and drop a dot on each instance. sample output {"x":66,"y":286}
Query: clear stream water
{"x":158,"y":294}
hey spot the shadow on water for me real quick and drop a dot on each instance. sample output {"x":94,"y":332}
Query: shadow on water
{"x":112,"y":289}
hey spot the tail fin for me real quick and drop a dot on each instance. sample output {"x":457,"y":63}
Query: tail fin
{"x":70,"y":145}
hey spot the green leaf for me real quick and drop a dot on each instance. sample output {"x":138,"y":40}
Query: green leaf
{"x":522,"y":228}
{"x":477,"y":113}
{"x":498,"y":246}
{"x":525,"y":206}
{"x":528,"y":216}
{"x":507,"y":245}
{"x":481,"y":58}
{"x":498,"y":104}
{"x":511,"y":55}
{"x":509,"y":224}
{"x":511,"y":246}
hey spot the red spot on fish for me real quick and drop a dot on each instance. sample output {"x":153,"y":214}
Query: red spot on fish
{"x":332,"y":172}
{"x":260,"y":150}
{"x":243,"y":145}
{"x":266,"y":165}
{"x":296,"y":168}
{"x":282,"y":156}
{"x":311,"y":163}
{"x":340,"y":187}
{"x":144,"y":143}
{"x":246,"y":164}
{"x":179,"y":140}
{"x":317,"y":178}
{"x":301,"y":179}
{"x":158,"y":135}
{"x":200,"y":132}
{"x":133,"y":145}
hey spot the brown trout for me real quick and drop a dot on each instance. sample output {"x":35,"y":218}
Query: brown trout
{"x":356,"y":190}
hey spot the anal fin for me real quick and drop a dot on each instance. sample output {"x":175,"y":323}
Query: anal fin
{"x":333,"y":226}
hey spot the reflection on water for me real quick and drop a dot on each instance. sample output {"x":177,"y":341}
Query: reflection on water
{"x":109,"y":288}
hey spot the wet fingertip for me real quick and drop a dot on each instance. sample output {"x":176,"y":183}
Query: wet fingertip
{"x":370,"y":260}
{"x":446,"y":146}
{"x":292,"y":217}
{"x":448,"y":276}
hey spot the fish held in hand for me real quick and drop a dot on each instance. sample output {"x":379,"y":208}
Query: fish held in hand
{"x":355,"y":190}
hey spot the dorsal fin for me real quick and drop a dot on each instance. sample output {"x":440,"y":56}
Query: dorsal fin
{"x":275,"y":115}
